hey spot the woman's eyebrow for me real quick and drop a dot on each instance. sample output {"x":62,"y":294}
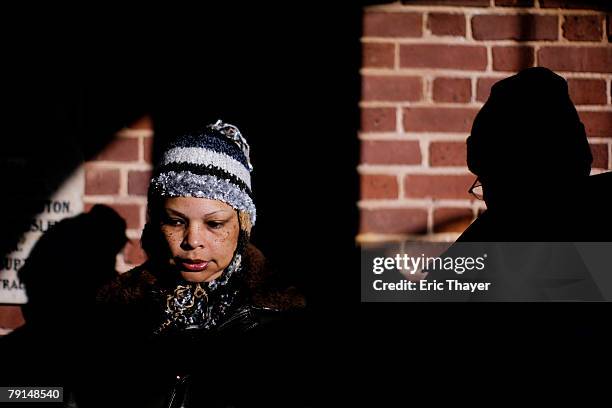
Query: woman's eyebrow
{"x":221,"y":212}
{"x":180,"y":214}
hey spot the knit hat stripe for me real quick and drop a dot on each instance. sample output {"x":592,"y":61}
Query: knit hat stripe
{"x":212,"y":142}
{"x":201,"y":170}
{"x":205,"y":157}
{"x":188,"y":184}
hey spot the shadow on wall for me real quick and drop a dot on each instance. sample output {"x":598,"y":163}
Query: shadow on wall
{"x":61,"y":280}
{"x":66,"y":267}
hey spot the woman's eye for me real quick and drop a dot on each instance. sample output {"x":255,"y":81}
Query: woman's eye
{"x":215,"y":224}
{"x":174,"y":221}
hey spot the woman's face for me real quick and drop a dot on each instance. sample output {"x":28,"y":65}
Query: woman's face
{"x":202,"y":236}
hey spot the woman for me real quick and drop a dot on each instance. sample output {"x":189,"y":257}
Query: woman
{"x":202,"y":281}
{"x":201,"y":273}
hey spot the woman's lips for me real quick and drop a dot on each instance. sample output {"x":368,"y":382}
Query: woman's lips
{"x":194,"y":266}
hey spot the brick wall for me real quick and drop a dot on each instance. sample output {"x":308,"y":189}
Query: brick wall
{"x":428,"y":67}
{"x":119,"y":177}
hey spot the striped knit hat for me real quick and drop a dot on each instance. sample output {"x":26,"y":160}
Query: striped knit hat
{"x":212,"y":163}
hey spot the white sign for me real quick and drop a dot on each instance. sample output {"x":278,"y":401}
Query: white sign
{"x":66,"y":202}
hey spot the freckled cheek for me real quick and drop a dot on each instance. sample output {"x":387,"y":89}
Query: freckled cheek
{"x":225,"y":244}
{"x":173,"y":240}
{"x":221,"y":242}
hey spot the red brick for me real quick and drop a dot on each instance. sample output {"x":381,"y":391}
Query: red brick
{"x":587,"y":91}
{"x":576,"y":59}
{"x":438,"y":119}
{"x":138,"y":182}
{"x":438,"y":186}
{"x":446,"y":24}
{"x":483,"y":88}
{"x":452,"y":89}
{"x":148,"y":149}
{"x":133,"y":253}
{"x":374,"y":186}
{"x":514,"y":3}
{"x":452,"y":219}
{"x":518,"y":27}
{"x":378,"y":120}
{"x":576,"y":4}
{"x":469,"y":3}
{"x":11,"y":317}
{"x":390,"y":152}
{"x":120,"y":149}
{"x":583,"y":28}
{"x":375,"y":55}
{"x":447,"y":154}
{"x":101,"y":181}
{"x":394,"y":221}
{"x":512,"y":58}
{"x":600,"y":156}
{"x":443,"y":56}
{"x":381,"y":24}
{"x":391,"y":88}
{"x":597,"y":124}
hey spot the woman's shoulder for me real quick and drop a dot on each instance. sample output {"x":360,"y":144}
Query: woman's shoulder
{"x":267,"y":287}
{"x":127,"y":287}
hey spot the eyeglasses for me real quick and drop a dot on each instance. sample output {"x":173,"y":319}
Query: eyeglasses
{"x":476,"y":189}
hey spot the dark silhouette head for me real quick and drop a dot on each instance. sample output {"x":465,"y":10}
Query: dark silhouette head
{"x":69,"y":263}
{"x":527,"y":140}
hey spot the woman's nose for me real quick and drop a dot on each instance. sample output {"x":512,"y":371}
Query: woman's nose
{"x":194,"y":236}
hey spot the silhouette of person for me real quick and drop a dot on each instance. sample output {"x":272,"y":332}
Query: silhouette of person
{"x":530,"y":153}
{"x":61,"y":276}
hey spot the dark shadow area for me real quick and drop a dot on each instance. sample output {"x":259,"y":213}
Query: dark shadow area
{"x":64,"y":97}
{"x":69,"y":263}
{"x":66,"y":267}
